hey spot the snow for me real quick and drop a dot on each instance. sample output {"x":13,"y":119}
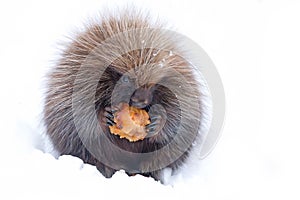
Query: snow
{"x":255,"y":46}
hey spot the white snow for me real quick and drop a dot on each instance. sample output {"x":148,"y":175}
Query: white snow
{"x":255,"y":46}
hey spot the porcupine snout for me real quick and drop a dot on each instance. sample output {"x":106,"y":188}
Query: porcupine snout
{"x":141,"y":97}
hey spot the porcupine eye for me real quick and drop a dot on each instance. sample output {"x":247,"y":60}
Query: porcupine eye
{"x":123,"y":89}
{"x":125,"y":79}
{"x":126,"y":82}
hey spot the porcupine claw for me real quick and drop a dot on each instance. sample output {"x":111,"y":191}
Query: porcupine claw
{"x":108,"y":115}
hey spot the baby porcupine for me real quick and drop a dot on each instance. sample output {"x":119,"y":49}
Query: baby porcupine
{"x":129,"y":59}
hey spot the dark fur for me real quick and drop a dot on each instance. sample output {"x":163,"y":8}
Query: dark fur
{"x":59,"y":115}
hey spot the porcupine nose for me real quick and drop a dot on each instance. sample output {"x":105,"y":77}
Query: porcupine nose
{"x":140,"y":98}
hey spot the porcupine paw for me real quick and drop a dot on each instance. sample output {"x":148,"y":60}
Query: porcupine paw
{"x":154,"y":127}
{"x":106,"y":171}
{"x":158,"y":120}
{"x":108,"y":118}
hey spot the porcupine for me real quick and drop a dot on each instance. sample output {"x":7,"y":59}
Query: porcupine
{"x":96,"y":75}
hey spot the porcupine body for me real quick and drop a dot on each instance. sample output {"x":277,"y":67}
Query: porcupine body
{"x":123,"y":59}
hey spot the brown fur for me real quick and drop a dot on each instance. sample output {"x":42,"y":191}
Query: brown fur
{"x":148,"y":67}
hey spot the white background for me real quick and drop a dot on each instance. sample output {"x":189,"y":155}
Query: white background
{"x":255,"y":44}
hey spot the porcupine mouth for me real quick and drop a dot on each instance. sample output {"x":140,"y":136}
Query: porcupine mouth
{"x":140,"y":105}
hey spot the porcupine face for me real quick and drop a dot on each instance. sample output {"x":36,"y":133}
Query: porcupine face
{"x":127,"y":89}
